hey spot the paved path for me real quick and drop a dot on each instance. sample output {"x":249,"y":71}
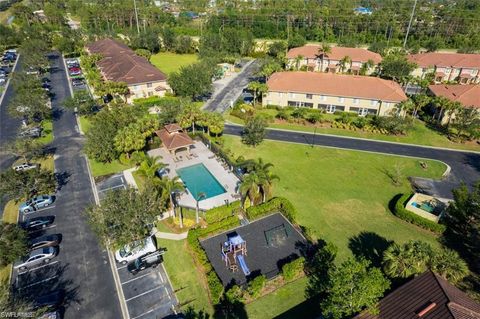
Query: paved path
{"x":223,"y":99}
{"x":465,"y":166}
{"x":88,"y":265}
{"x":171,"y":236}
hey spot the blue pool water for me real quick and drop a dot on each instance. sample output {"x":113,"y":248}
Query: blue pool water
{"x":198,"y":179}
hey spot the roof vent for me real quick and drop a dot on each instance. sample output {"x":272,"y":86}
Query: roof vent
{"x":425,"y":310}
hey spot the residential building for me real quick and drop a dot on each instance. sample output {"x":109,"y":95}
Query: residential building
{"x":121,"y":64}
{"x":334,"y":92}
{"x":311,"y":57}
{"x":467,"y":95}
{"x":448,"y":67}
{"x":427,"y":296}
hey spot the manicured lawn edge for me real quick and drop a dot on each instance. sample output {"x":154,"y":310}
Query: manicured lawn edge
{"x":401,"y":212}
{"x":47,"y":126}
{"x":10,"y":215}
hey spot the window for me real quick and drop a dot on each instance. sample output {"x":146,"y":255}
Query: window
{"x":291,"y":94}
{"x":308,"y":96}
{"x":323,"y":97}
{"x":473,"y":72}
{"x":150,"y":93}
{"x":373,"y":102}
{"x":299,"y":104}
{"x":447,"y":70}
{"x":330,"y":109}
{"x":149,"y":85}
{"x":341,"y":99}
{"x":362,"y":112}
{"x":355,"y":101}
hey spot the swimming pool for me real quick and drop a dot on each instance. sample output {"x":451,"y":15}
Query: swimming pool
{"x":198,"y":179}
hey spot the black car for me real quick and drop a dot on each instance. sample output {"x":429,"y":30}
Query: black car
{"x":77,"y":82}
{"x":147,"y":261}
{"x":36,"y":223}
{"x":45,"y":241}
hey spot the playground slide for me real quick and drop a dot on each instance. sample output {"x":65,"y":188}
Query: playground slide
{"x":243,"y":265}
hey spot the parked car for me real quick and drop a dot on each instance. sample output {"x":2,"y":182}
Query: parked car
{"x":37,"y":257}
{"x":51,"y":300}
{"x":24,"y":166}
{"x":77,"y":82}
{"x":45,"y":241}
{"x":135,"y":250}
{"x":36,"y":223}
{"x":33,"y":132}
{"x":151,"y":260}
{"x":36,"y":203}
{"x":74,"y":71}
{"x":46,"y":80}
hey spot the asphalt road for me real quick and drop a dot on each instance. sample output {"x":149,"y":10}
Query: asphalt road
{"x":465,"y":166}
{"x":222,"y":100}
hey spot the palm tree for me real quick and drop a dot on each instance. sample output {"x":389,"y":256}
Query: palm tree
{"x":250,"y":187}
{"x":344,"y":62}
{"x":216,"y":124}
{"x":170,"y":187}
{"x":421,"y":100}
{"x":443,"y":104}
{"x":190,"y":114}
{"x":406,"y":107}
{"x":407,"y":260}
{"x":266,"y":178}
{"x":199,"y":196}
{"x":149,"y":166}
{"x":449,"y":265}
{"x":323,"y":51}
{"x":298,"y":59}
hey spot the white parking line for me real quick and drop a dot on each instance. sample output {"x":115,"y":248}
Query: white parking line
{"x":144,"y":275}
{"x":166,"y":291}
{"x":110,"y":188}
{"x":39,"y":267}
{"x":161,"y":277}
{"x":39,"y":282}
{"x":143,"y":293}
{"x":147,"y":312}
{"x":118,"y":268}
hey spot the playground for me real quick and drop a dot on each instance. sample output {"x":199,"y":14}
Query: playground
{"x":258,"y":248}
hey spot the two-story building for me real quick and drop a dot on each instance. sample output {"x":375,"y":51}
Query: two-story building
{"x":467,"y":95}
{"x":448,"y":67}
{"x":334,"y":92}
{"x":119,"y":63}
{"x":315,"y":60}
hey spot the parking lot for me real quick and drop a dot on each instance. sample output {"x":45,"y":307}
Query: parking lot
{"x":148,"y":294}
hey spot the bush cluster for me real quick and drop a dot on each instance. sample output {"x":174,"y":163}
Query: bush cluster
{"x":279,"y":204}
{"x":214,"y":284}
{"x":156,"y":101}
{"x":256,"y":285}
{"x":293,"y":269}
{"x":413,"y":218}
{"x":217,"y":214}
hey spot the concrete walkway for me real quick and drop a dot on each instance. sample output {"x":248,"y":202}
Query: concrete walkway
{"x":128,"y":174}
{"x":171,"y":236}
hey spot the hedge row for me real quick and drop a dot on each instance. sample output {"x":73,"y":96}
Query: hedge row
{"x":156,"y":101}
{"x":413,"y":218}
{"x":214,"y":284}
{"x":280,"y":204}
{"x":292,"y":269}
{"x":219,"y":213}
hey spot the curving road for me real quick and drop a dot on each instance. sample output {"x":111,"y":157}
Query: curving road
{"x":465,"y":166}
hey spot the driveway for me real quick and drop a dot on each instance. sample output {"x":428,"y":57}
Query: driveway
{"x":223,"y":98}
{"x":465,"y":166}
{"x":84,"y":267}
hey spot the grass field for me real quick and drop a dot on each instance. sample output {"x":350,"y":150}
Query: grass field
{"x":420,"y":134}
{"x":184,"y":276}
{"x":10,"y":215}
{"x":47,"y":137}
{"x":84,"y":123}
{"x":171,"y":62}
{"x":101,"y":169}
{"x":340,"y":194}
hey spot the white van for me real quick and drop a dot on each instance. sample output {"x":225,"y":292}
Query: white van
{"x":135,"y":250}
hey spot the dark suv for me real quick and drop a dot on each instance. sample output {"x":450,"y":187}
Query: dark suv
{"x":147,"y":261}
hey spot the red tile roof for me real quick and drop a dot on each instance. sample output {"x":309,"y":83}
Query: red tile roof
{"x":430,"y":294}
{"x":338,"y":53}
{"x":121,"y":64}
{"x":336,"y":85}
{"x":173,"y":139}
{"x":468,"y":95}
{"x":455,"y":60}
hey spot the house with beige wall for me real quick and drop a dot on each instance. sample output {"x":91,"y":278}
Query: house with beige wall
{"x":311,"y":57}
{"x":467,"y":95}
{"x":363,"y":95}
{"x":119,"y":63}
{"x":447,"y":67}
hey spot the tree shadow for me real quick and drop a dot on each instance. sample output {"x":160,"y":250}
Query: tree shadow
{"x":57,"y":114}
{"x":226,"y":309}
{"x":62,"y":179}
{"x":370,"y":246}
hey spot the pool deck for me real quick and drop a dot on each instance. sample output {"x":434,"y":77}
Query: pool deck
{"x":204,"y":156}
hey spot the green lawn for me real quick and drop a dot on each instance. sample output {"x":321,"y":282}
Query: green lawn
{"x":419,"y":134}
{"x":10,"y":215}
{"x":101,"y":169}
{"x":185,"y":278}
{"x":47,"y":137}
{"x":84,"y":123}
{"x":288,"y":298}
{"x":338,"y":193}
{"x":171,"y":62}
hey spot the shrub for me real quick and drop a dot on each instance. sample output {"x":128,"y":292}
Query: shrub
{"x":267,"y":117}
{"x":299,"y":113}
{"x":256,"y":285}
{"x":413,"y":218}
{"x":282,"y":115}
{"x":219,"y":213}
{"x":293,"y":269}
{"x":361,"y":122}
{"x":392,"y":124}
{"x":345,"y":117}
{"x":235,"y":295}
{"x":215,"y":286}
{"x":314,"y":117}
{"x":280,"y":204}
